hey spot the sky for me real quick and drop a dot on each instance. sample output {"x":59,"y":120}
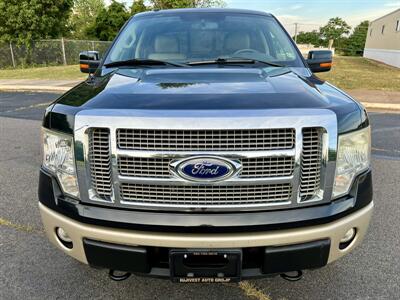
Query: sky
{"x":311,"y":14}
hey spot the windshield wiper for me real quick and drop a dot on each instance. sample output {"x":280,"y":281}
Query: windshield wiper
{"x":232,"y":60}
{"x":142,"y":62}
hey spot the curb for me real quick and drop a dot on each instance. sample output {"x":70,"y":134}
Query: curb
{"x":386,"y":106}
{"x":34,"y":88}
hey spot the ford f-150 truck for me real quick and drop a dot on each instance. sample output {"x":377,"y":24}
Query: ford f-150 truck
{"x":203,"y":148}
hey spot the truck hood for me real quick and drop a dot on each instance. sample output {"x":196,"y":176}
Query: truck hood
{"x":206,"y":89}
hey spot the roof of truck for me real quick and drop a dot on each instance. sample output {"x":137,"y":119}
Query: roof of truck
{"x":204,"y":10}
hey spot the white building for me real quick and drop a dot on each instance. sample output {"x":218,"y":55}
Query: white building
{"x":383,"y":39}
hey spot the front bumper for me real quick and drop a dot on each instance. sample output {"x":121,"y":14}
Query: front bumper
{"x":51,"y":196}
{"x":150,"y":240}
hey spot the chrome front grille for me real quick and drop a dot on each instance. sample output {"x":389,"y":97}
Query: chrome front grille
{"x":100,"y":161}
{"x":198,"y":196}
{"x":257,"y":167}
{"x":206,"y":140}
{"x":311,"y":160}
{"x":127,"y":165}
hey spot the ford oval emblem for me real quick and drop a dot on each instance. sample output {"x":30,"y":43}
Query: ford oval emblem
{"x":206,"y":168}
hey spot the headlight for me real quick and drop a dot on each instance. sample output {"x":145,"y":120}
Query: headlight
{"x":353,"y":157}
{"x":59,"y":159}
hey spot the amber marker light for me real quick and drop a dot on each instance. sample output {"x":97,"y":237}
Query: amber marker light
{"x":325,"y":65}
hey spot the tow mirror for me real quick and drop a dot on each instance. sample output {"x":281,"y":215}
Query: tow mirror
{"x":320,"y":60}
{"x":89,"y":61}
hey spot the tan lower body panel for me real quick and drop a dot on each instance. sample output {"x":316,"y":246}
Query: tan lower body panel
{"x":334,"y":231}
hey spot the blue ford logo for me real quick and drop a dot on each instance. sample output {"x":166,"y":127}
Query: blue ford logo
{"x":206,"y":168}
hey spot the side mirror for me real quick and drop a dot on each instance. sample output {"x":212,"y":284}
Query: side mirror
{"x":89,"y":61}
{"x":320,"y":60}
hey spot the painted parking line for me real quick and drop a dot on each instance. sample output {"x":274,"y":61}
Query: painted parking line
{"x":19,"y":227}
{"x":250,"y":290}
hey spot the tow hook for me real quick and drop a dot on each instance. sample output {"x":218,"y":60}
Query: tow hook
{"x":114,"y":276}
{"x":293,"y":276}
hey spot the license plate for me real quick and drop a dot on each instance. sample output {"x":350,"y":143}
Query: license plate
{"x":205,"y":266}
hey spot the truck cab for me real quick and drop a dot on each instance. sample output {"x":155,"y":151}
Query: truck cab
{"x":203,"y":148}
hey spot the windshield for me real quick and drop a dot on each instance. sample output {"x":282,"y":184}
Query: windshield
{"x":193,"y":37}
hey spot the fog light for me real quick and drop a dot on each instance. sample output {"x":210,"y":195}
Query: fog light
{"x":64,"y":237}
{"x":347,"y":238}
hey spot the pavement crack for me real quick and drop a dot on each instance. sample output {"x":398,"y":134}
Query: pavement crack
{"x":17,"y":158}
{"x":385,"y":150}
{"x":388,"y":129}
{"x":20,"y":227}
{"x":252,"y":291}
{"x":385,"y":157}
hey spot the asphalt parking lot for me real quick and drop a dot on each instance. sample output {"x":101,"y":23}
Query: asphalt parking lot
{"x":31,"y":268}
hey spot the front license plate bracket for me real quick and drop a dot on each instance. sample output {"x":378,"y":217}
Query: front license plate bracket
{"x":205,"y":266}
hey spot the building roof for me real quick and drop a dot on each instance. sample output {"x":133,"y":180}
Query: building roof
{"x":393,"y":12}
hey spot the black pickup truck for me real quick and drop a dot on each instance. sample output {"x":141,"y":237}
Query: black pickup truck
{"x":203,"y":148}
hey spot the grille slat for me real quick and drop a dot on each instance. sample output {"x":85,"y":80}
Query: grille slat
{"x":100,"y":161}
{"x":205,"y":195}
{"x":144,"y":167}
{"x":206,"y":140}
{"x":267,"y":167}
{"x":311,"y":163}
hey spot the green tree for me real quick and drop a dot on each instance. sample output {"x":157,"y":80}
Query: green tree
{"x":138,"y":7}
{"x":83,"y":16}
{"x":22,"y":21}
{"x":168,"y":4}
{"x":109,"y":21}
{"x":310,"y":37}
{"x":356,"y":41}
{"x":335,"y":30}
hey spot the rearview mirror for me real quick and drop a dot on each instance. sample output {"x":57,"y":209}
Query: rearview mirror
{"x":319,"y":60}
{"x":89,"y":61}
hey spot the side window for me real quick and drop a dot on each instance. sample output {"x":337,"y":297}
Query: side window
{"x":383,"y":29}
{"x":125,"y":47}
{"x":282,"y":51}
{"x":257,"y":42}
{"x":398,"y":25}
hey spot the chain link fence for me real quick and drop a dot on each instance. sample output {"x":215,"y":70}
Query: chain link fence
{"x":47,"y":52}
{"x":66,"y":52}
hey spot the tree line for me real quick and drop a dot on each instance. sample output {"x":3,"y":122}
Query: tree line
{"x":22,"y":21}
{"x":337,"y":32}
